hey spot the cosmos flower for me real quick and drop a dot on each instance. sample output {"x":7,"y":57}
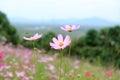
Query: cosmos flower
{"x":46,"y":59}
{"x":70,"y":28}
{"x":58,"y":43}
{"x":51,"y":68}
{"x":89,"y":74}
{"x":35,"y":37}
{"x":109,"y":73}
{"x":1,"y":55}
{"x":9,"y":74}
{"x":20,"y":74}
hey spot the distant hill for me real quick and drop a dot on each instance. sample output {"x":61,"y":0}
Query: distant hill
{"x":91,"y":22}
{"x":32,"y":26}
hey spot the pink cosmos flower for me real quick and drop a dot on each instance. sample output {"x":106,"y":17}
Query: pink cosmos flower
{"x":109,"y":73}
{"x":35,"y":37}
{"x":51,"y":68}
{"x":59,"y":43}
{"x":9,"y":74}
{"x":2,"y":64}
{"x":20,"y":74}
{"x":70,"y":28}
{"x":1,"y":55}
{"x":46,"y":59}
{"x":89,"y":74}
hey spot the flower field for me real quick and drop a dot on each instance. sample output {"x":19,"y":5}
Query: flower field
{"x":18,"y":64}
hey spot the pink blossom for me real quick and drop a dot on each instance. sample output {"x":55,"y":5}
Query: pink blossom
{"x":53,"y":77}
{"x":20,"y":74}
{"x":25,"y":78}
{"x":76,"y":67}
{"x":9,"y":74}
{"x":89,"y":74}
{"x":77,"y":62}
{"x":7,"y":79}
{"x":35,"y":37}
{"x":7,"y":67}
{"x":109,"y":73}
{"x":60,"y":43}
{"x":70,"y":28}
{"x":1,"y":64}
{"x":51,"y":67}
{"x":46,"y":59}
{"x":1,"y":55}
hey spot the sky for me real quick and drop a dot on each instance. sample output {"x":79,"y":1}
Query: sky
{"x":61,"y":9}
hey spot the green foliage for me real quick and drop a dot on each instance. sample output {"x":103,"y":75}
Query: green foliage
{"x":8,"y":30}
{"x":44,"y":42}
{"x":92,"y":38}
{"x":102,"y":46}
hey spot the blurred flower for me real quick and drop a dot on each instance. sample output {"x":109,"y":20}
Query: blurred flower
{"x":89,"y":74}
{"x":77,"y":62}
{"x":46,"y":59}
{"x":78,"y":75}
{"x":9,"y":74}
{"x":109,"y":73}
{"x":51,"y":68}
{"x":35,"y":37}
{"x":71,"y":76}
{"x":1,"y":55}
{"x":52,"y":77}
{"x":1,"y":64}
{"x":70,"y":28}
{"x":25,"y":78}
{"x":20,"y":74}
{"x":76,"y":67}
{"x":7,"y":79}
{"x":60,"y":43}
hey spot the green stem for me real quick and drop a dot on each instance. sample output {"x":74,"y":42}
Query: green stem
{"x":61,"y":59}
{"x":34,"y":53}
{"x":70,"y":44}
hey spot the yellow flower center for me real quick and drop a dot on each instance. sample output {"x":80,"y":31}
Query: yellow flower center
{"x":61,"y":44}
{"x":70,"y":29}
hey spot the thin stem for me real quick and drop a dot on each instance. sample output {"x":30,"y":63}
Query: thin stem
{"x":34,"y":53}
{"x":61,"y":57}
{"x":70,"y":45}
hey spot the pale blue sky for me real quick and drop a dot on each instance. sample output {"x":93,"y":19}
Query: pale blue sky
{"x":61,"y":9}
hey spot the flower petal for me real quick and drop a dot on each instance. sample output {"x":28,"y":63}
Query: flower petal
{"x":63,"y":28}
{"x":60,"y":37}
{"x":67,"y":41}
{"x":73,"y":27}
{"x":25,"y":38}
{"x":55,"y":41}
{"x":67,"y":27}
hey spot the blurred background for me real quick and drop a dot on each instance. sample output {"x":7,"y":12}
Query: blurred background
{"x":97,"y":39}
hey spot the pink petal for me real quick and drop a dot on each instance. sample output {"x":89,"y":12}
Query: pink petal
{"x":36,"y":35}
{"x":67,"y":38}
{"x":73,"y":27}
{"x":63,"y":28}
{"x":26,"y":38}
{"x":52,"y":44}
{"x":60,"y":37}
{"x":55,"y":46}
{"x":67,"y":26}
{"x":55,"y":41}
